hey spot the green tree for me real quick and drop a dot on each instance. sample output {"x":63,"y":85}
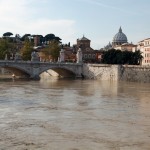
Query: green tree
{"x":55,"y":49}
{"x":121,"y":57}
{"x":25,"y":37}
{"x":6,"y":47}
{"x":7,"y":34}
{"x":51,"y":37}
{"x":52,"y":50}
{"x":137,"y":57}
{"x":110,"y":56}
{"x":27,"y":50}
{"x":57,"y":39}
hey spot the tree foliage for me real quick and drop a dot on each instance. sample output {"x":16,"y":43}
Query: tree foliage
{"x":6,"y":47}
{"x":52,"y":50}
{"x":25,"y":37}
{"x":51,"y":37}
{"x":7,"y":34}
{"x":57,"y":39}
{"x":121,"y":57}
{"x":27,"y":50}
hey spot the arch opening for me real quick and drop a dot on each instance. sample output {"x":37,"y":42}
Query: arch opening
{"x":57,"y":73}
{"x":12,"y":72}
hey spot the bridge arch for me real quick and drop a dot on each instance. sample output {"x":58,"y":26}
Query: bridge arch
{"x":61,"y":71}
{"x":17,"y":70}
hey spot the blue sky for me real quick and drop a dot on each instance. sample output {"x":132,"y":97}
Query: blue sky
{"x":98,"y":20}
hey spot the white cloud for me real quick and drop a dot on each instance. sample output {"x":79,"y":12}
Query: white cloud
{"x":17,"y":16}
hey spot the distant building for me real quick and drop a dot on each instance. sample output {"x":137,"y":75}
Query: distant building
{"x":108,"y":47}
{"x":120,"y":42}
{"x":37,"y":41}
{"x":119,"y":39}
{"x":144,"y":47}
{"x":70,"y":56}
{"x":88,"y":54}
{"x":84,"y":43}
{"x":127,"y":47}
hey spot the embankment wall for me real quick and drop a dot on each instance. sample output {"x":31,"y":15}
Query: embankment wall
{"x":134,"y":73}
{"x":100,"y":71}
{"x":117,"y":72}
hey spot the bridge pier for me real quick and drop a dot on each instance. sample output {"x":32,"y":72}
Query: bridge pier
{"x":35,"y":77}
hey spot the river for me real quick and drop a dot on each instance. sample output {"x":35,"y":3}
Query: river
{"x":74,"y":115}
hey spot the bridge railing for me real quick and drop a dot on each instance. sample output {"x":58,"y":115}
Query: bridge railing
{"x":37,"y":62}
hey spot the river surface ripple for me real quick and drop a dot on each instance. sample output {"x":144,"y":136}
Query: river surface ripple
{"x":74,"y":115}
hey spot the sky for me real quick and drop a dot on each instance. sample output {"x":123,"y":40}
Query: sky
{"x":97,"y":20}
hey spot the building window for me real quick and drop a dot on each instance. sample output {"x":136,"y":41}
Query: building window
{"x":93,"y":55}
{"x":89,"y":55}
{"x":85,"y":56}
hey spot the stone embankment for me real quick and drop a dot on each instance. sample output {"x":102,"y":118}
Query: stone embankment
{"x":130,"y":73}
{"x":100,"y":71}
{"x":134,"y":73}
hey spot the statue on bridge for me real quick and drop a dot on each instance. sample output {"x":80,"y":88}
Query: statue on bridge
{"x":17,"y":57}
{"x":35,"y":56}
{"x":62,"y":55}
{"x":79,"y":55}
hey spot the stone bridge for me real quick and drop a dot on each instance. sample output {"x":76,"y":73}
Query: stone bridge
{"x":34,"y":69}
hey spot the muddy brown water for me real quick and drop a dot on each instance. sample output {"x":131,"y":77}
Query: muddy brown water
{"x":74,"y":115}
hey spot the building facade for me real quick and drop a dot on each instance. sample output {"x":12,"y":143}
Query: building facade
{"x":144,"y":47}
{"x":84,"y":43}
{"x":89,"y":55}
{"x":37,"y":41}
{"x":127,"y":47}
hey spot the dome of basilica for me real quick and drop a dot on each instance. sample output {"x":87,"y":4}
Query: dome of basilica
{"x":120,"y":38}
